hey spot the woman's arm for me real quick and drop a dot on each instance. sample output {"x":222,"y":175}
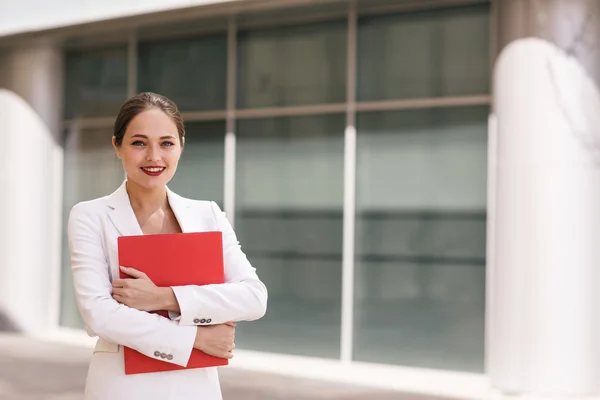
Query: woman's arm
{"x":147,"y":333}
{"x":243,"y":297}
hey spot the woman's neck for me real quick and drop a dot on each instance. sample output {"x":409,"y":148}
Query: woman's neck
{"x":146,"y":199}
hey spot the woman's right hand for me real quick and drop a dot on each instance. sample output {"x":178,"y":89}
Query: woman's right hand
{"x":216,"y":340}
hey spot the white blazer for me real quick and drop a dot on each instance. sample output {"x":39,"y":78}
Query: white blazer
{"x":93,"y":229}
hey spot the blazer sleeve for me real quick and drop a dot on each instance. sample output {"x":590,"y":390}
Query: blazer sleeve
{"x":243,"y":297}
{"x":150,"y":334}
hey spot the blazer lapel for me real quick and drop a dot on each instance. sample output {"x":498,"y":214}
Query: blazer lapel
{"x":181,"y":208}
{"x":121,"y":214}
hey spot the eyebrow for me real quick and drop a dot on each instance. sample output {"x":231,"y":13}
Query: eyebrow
{"x":146,"y":137}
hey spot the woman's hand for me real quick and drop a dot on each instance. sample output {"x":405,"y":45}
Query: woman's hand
{"x":139,"y":292}
{"x":216,"y":340}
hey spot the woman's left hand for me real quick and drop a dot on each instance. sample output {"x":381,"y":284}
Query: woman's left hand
{"x":138,"y":292}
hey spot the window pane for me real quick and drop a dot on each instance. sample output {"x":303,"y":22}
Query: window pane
{"x":289,"y":221}
{"x":292,"y":65}
{"x":91,"y":170}
{"x":191,"y":72}
{"x":420,"y":238}
{"x":200,"y":174}
{"x":96,"y":82}
{"x":427,"y":54}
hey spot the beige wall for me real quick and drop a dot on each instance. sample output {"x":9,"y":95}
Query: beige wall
{"x":17,"y":16}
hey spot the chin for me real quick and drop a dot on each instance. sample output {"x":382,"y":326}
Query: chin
{"x":148,"y":182}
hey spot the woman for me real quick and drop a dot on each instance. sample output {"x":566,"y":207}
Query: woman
{"x":149,"y":138}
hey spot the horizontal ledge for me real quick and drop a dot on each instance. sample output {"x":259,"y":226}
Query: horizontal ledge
{"x":203,"y":115}
{"x":434,"y":102}
{"x":89,"y":123}
{"x":380,"y":214}
{"x":379,"y":105}
{"x":316,"y":109}
{"x":291,"y":111}
{"x":372,"y":258}
{"x":368,"y":9}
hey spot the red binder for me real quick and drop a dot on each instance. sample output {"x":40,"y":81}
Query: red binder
{"x":179,"y":259}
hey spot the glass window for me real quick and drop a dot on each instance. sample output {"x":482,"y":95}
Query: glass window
{"x":91,"y":170}
{"x":201,"y":171}
{"x":420,"y":238}
{"x":191,"y":72}
{"x":292,"y":65}
{"x":96,"y":82}
{"x":426,"y":54}
{"x":289,"y":198}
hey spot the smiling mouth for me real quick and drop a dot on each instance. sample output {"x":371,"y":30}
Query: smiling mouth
{"x":153,"y":171}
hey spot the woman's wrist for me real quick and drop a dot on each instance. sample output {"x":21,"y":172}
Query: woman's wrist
{"x":167,"y":299}
{"x":199,"y":339}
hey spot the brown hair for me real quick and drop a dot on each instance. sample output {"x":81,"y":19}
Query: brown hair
{"x":143,"y":102}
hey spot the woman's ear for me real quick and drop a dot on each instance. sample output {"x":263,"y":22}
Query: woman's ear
{"x":116,"y":147}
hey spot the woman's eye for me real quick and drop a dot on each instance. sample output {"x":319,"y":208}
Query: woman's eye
{"x":138,"y":143}
{"x":168,"y":144}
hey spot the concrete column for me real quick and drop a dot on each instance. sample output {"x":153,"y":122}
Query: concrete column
{"x":544,"y":297}
{"x":31,"y":185}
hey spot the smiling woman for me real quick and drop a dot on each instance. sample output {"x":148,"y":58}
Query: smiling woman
{"x":148,"y":139}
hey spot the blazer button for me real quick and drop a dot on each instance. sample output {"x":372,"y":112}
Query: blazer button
{"x":202,"y":321}
{"x":196,"y":321}
{"x":163,"y":355}
{"x":157,"y":354}
{"x":208,"y":321}
{"x":169,"y":357}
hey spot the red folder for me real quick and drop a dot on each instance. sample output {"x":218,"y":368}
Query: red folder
{"x":179,"y":259}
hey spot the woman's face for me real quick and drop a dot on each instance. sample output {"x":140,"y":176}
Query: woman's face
{"x":150,"y":149}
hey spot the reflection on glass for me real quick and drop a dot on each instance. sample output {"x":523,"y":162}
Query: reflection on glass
{"x":191,"y":72}
{"x":91,"y":170}
{"x":420,"y":238}
{"x":289,"y":195}
{"x":96,"y":82}
{"x":292,"y":65}
{"x":425,"y":54}
{"x":201,"y":171}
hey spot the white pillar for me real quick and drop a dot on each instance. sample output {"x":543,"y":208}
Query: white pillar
{"x":544,"y":308}
{"x":31,"y":185}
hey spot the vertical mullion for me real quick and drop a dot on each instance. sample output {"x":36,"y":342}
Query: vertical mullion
{"x":132,"y":65}
{"x":349,"y":194}
{"x":493,"y":44}
{"x":489,"y":345}
{"x":132,"y":46}
{"x":230,"y":137}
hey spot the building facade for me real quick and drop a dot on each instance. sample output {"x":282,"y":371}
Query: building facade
{"x":415,"y":228}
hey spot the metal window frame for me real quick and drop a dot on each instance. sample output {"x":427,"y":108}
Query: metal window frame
{"x":230,"y":134}
{"x":349,"y":207}
{"x":489,"y":315}
{"x":232,"y":114}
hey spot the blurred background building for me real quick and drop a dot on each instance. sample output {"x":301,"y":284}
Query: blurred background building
{"x":371,"y":173}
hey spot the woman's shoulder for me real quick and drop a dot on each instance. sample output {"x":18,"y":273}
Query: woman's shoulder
{"x":196,"y":203}
{"x":199,"y":207}
{"x":89,"y":207}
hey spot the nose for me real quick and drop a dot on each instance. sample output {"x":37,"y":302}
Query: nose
{"x":153,"y":154}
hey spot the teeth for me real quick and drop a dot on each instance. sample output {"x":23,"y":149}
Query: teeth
{"x":153,"y":169}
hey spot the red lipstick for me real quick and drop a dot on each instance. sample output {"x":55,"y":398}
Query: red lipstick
{"x":153,"y":171}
